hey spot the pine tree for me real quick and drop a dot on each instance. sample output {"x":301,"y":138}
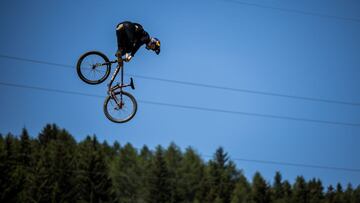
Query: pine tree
{"x":315,"y":189}
{"x":173,"y":158}
{"x":330,"y":194}
{"x":4,"y":168}
{"x":95,"y":182}
{"x":145,"y":154}
{"x":300,"y":191}
{"x":222,"y":175}
{"x":192,"y":170}
{"x":24,"y":168}
{"x":278,"y":190}
{"x":260,"y":189}
{"x":8,"y":181}
{"x":109,"y":151}
{"x":145,"y":163}
{"x":65,"y":167}
{"x":41,"y":187}
{"x":127,"y":175}
{"x":25,"y":149}
{"x":348,"y":194}
{"x":242,"y":191}
{"x":49,"y":133}
{"x":339,"y":196}
{"x":116,"y":147}
{"x":356,"y":195}
{"x":55,"y":176}
{"x":287,"y":192}
{"x":15,"y":167}
{"x":160,"y":180}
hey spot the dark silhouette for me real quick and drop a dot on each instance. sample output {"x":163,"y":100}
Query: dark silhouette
{"x":54,"y":167}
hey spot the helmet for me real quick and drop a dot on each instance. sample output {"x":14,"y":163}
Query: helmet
{"x":154,"y":45}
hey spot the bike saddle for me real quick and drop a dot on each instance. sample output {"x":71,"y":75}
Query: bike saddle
{"x":132,"y":83}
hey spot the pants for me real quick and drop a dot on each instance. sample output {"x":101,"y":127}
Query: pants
{"x":125,"y":33}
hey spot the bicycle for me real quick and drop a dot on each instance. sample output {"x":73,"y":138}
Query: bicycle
{"x":118,"y":102}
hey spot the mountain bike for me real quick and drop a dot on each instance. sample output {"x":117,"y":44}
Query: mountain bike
{"x":94,"y":67}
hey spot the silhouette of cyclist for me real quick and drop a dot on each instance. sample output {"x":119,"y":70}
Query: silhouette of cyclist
{"x":130,"y":37}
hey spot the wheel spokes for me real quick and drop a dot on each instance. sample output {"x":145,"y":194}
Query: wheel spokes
{"x":92,"y":67}
{"x":123,"y":112}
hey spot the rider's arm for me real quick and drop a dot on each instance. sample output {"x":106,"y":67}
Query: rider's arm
{"x":136,"y":48}
{"x":143,"y":38}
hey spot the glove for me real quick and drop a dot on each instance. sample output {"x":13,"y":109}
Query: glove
{"x":128,"y":57}
{"x":118,"y":53}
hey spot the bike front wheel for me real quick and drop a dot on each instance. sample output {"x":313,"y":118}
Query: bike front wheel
{"x":121,"y":108}
{"x":93,"y":67}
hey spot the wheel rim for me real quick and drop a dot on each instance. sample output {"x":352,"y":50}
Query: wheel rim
{"x":123,"y":114}
{"x":92,"y":70}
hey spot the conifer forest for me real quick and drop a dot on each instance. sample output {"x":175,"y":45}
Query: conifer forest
{"x":54,"y":167}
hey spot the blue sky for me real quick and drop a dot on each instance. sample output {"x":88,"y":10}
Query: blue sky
{"x":215,"y":42}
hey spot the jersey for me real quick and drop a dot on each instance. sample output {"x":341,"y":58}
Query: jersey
{"x":130,"y":37}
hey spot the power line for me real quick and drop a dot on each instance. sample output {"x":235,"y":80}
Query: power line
{"x":356,"y":20}
{"x":201,"y":84}
{"x":253,"y":114}
{"x":249,"y":91}
{"x":35,"y":61}
{"x":191,"y":107}
{"x":50,"y":90}
{"x":293,"y":164}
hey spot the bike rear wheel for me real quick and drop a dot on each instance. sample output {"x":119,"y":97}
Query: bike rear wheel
{"x":123,"y":113}
{"x":93,"y":67}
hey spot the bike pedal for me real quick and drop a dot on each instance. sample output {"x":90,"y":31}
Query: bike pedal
{"x":132,"y":83}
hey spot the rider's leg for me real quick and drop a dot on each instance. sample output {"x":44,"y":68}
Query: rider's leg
{"x":121,"y":40}
{"x":119,"y":57}
{"x":125,"y":37}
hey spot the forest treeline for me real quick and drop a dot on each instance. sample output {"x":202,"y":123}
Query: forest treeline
{"x":54,"y":167}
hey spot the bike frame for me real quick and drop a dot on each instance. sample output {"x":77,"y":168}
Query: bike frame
{"x":112,"y":89}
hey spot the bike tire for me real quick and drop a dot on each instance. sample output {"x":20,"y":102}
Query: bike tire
{"x":81,"y":68}
{"x":126,"y":118}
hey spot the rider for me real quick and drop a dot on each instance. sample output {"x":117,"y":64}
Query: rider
{"x":130,"y":37}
